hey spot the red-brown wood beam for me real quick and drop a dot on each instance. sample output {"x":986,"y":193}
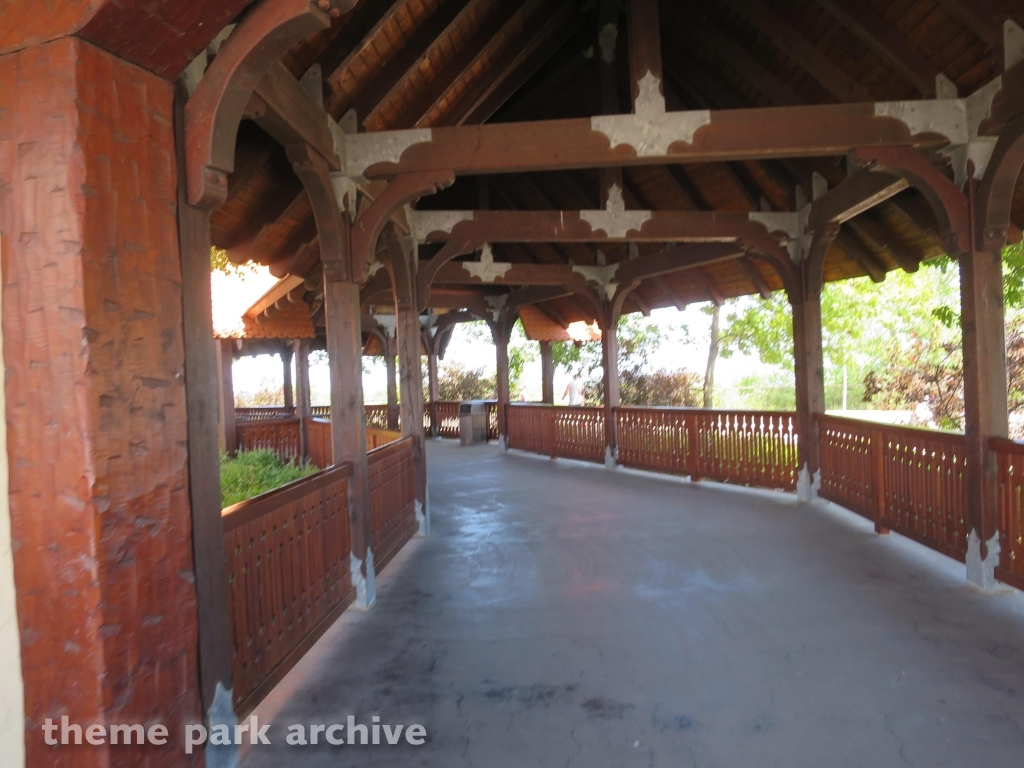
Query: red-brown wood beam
{"x":357,"y":35}
{"x":980,"y":17}
{"x":593,"y":226}
{"x":867,"y":261}
{"x":879,"y":35}
{"x":645,"y":71}
{"x":768,"y":22}
{"x":676,"y":137}
{"x":857,"y":194}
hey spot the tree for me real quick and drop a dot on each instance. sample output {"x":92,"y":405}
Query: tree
{"x":456,"y":382}
{"x":219,"y":262}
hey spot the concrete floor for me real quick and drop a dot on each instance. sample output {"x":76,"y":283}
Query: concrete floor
{"x":566,"y":615}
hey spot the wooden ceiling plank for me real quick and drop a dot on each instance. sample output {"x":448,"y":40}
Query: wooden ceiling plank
{"x":874,"y":236}
{"x":878,"y":34}
{"x":867,"y":261}
{"x":498,"y":22}
{"x":688,"y":187}
{"x":756,"y":278}
{"x":673,"y":297}
{"x":240,"y":247}
{"x":524,"y":63}
{"x":737,"y":57}
{"x":980,"y":17}
{"x":769,"y":23}
{"x":357,"y":35}
{"x":416,"y":50}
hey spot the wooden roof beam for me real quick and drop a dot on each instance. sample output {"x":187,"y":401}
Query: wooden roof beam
{"x":524,"y":63}
{"x":769,"y":23}
{"x":416,"y":50}
{"x":601,"y":226}
{"x":756,"y":278}
{"x":645,"y":67}
{"x":357,"y":35}
{"x":980,"y":17}
{"x":874,"y":236}
{"x":857,"y":194}
{"x":681,"y":137}
{"x":879,"y":35}
{"x":867,"y":261}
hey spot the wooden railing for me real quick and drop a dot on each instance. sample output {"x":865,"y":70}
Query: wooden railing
{"x":319,"y":443}
{"x":905,"y":479}
{"x":446,"y":417}
{"x":321,"y":412}
{"x":392,"y":499}
{"x":1011,"y":511}
{"x":558,"y":432}
{"x":376,"y":416}
{"x":492,"y":420}
{"x":287,"y":556}
{"x":278,"y":435}
{"x":263,"y":413}
{"x":755,"y":448}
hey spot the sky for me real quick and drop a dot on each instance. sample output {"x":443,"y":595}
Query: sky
{"x":685,"y":345}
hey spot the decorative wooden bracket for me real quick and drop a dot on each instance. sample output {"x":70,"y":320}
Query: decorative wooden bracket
{"x":401,"y":190}
{"x":995,"y":193}
{"x":450,"y":250}
{"x":778,"y":258}
{"x":213,"y":113}
{"x":949,"y":203}
{"x":331,"y":227}
{"x":813,"y":267}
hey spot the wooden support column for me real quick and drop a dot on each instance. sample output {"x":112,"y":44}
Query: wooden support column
{"x":985,"y":405}
{"x":286,"y":365}
{"x":403,"y":253}
{"x":348,"y":417}
{"x":547,"y":373}
{"x":303,"y":410}
{"x":809,"y":361}
{"x":432,"y":391}
{"x":227,"y":396}
{"x":607,"y":37}
{"x":202,"y":384}
{"x":610,"y":367}
{"x":109,"y":608}
{"x":501,"y":332}
{"x":390,"y":350}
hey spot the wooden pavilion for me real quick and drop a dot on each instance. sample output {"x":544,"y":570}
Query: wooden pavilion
{"x":438,"y":161}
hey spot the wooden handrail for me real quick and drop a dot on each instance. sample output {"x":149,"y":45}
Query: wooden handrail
{"x":1006,"y":445}
{"x":246,"y":511}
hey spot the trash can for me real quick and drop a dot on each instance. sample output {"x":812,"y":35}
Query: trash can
{"x":473,"y":422}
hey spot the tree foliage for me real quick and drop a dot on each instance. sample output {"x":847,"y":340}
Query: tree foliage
{"x":456,"y":382}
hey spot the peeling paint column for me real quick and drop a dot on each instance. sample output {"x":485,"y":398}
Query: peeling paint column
{"x":501,"y":331}
{"x":610,"y":364}
{"x":809,"y":370}
{"x":389,"y":365}
{"x":433,"y":390}
{"x":348,"y":416}
{"x":985,"y":405}
{"x":410,"y":375}
{"x":302,"y":404}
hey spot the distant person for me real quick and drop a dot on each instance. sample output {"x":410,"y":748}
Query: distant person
{"x":574,"y":392}
{"x":522,"y":397}
{"x":923,"y":416}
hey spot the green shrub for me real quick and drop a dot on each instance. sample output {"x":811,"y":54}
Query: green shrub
{"x":254,"y":472}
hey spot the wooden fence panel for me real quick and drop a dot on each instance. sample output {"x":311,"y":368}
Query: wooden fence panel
{"x":392,"y":499}
{"x":447,"y":418}
{"x":924,"y":488}
{"x":1011,"y":511}
{"x":287,"y":556}
{"x":850,"y":464}
{"x":278,"y":435}
{"x":376,"y":416}
{"x":320,"y":412}
{"x":654,"y":439}
{"x":263,"y":413}
{"x":756,"y":448}
{"x":579,"y":433}
{"x":319,"y":443}
{"x":531,"y":428}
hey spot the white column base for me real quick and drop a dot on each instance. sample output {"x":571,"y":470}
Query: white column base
{"x":423,"y":517}
{"x":807,"y":486}
{"x":981,"y":574}
{"x":366,"y":587}
{"x":222,"y":712}
{"x":611,"y":458}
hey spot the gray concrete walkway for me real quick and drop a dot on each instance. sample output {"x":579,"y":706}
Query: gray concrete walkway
{"x":565,"y":615}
